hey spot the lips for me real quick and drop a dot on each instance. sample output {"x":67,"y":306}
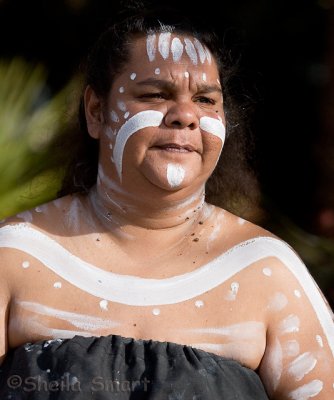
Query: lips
{"x":175,"y":147}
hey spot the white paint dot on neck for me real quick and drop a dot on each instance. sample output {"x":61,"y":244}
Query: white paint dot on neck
{"x":25,"y":264}
{"x":133,"y":76}
{"x":121,"y":105}
{"x":121,"y":89}
{"x":199,"y":303}
{"x":186,"y":74}
{"x":157,"y":71}
{"x":114,"y":117}
{"x":297,"y":293}
{"x":267,"y":271}
{"x":175,"y":174}
{"x":156,"y":311}
{"x":204,"y":76}
{"x":104,"y":304}
{"x":57,"y":285}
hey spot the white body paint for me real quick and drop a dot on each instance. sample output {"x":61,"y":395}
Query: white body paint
{"x":175,"y":175}
{"x":302,"y":365}
{"x":289,"y":325}
{"x":290,"y":348}
{"x":200,"y":50}
{"x":213,"y":126}
{"x":137,"y":291}
{"x":25,"y":264}
{"x":81,"y":321}
{"x":277,"y":302}
{"x":114,"y":117}
{"x":139,"y":121}
{"x":273,"y":364}
{"x":164,"y":44}
{"x":250,"y":330}
{"x":150,"y":47}
{"x":191,"y":51}
{"x":133,"y":76}
{"x":307,"y":391}
{"x":267,"y":271}
{"x":176,"y":49}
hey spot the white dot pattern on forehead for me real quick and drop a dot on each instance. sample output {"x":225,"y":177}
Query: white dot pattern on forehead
{"x":57,"y":285}
{"x":200,"y":50}
{"x":26,"y":264}
{"x":156,"y":311}
{"x":186,"y":74}
{"x":191,"y":51}
{"x":297,"y":293}
{"x":177,"y":49}
{"x":121,"y":89}
{"x":163,"y":45}
{"x":157,"y":71}
{"x":133,"y":76}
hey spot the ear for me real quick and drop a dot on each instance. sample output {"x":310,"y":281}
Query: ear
{"x":94,"y":113}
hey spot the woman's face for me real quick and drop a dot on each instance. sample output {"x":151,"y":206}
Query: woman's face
{"x":164,"y":118}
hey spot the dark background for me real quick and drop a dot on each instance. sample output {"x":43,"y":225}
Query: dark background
{"x":287,"y":63}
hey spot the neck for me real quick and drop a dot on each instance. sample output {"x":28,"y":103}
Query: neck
{"x":117,"y":208}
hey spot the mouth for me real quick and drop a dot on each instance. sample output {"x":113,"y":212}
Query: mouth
{"x":175,"y":148}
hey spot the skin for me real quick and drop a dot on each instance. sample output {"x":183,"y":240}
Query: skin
{"x":141,"y":226}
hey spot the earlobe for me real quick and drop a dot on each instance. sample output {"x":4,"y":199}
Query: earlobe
{"x":94,"y":113}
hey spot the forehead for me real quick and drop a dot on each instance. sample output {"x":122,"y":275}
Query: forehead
{"x":155,"y":52}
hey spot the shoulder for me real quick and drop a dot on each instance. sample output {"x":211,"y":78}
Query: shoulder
{"x":56,"y":218}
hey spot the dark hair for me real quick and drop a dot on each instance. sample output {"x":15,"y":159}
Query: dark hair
{"x":233,"y":183}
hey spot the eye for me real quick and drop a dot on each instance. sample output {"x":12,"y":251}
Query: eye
{"x":206,"y":100}
{"x":153,"y":95}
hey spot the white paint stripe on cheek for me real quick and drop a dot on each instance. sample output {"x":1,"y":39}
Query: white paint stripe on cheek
{"x":176,"y":49}
{"x":163,"y":44}
{"x":150,"y":47}
{"x":121,"y":105}
{"x":302,"y":365}
{"x":191,"y":51}
{"x":200,"y":50}
{"x":139,"y":121}
{"x":307,"y":391}
{"x":175,"y":174}
{"x":213,"y":126}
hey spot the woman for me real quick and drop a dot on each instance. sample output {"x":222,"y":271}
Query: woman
{"x":141,"y":289}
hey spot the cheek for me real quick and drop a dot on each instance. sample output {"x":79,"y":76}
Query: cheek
{"x":212,"y":146}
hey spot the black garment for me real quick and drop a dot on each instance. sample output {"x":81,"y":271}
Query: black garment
{"x":118,"y":368}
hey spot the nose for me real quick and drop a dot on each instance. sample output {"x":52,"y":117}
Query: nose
{"x":182,"y":115}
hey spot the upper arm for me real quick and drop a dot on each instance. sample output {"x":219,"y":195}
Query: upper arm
{"x":4,"y":307}
{"x":298,"y":363}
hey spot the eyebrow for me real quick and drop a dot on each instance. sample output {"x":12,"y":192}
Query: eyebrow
{"x":161,"y":83}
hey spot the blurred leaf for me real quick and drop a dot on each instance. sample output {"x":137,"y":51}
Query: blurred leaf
{"x":30,"y":120}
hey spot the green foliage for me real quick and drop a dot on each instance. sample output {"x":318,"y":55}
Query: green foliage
{"x":30,"y":121}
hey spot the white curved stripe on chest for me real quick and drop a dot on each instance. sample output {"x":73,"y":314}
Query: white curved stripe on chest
{"x":137,"y":291}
